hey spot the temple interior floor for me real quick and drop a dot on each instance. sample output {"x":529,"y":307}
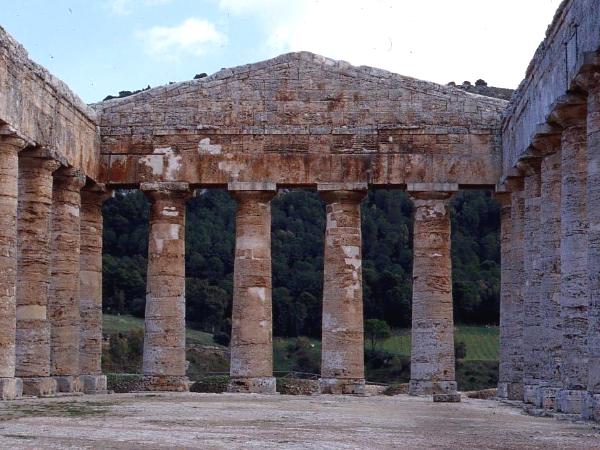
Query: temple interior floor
{"x":193,"y":420}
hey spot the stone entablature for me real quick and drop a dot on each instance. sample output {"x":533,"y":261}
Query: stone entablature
{"x":43,"y":111}
{"x":552,"y":72}
{"x":301,"y":119}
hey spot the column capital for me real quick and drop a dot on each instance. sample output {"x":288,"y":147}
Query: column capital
{"x":589,"y":75}
{"x":96,"y":193}
{"x":342,"y":196}
{"x":530,"y":166}
{"x":546,"y":139}
{"x":160,"y":190}
{"x":12,"y":142}
{"x":431,"y":195}
{"x":70,"y":178}
{"x":569,"y":110}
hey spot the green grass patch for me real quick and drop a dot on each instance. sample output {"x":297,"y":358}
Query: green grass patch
{"x":112,"y":324}
{"x":481,"y":342}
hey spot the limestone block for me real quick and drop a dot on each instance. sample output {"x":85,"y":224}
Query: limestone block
{"x":63,"y":304}
{"x":164,"y":364}
{"x":432,"y":345}
{"x":342,"y":348}
{"x":251,"y":367}
{"x":93,"y":384}
{"x":10,"y":388}
{"x":40,"y":386}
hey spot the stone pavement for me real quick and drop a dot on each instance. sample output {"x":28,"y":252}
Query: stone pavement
{"x":189,"y":420}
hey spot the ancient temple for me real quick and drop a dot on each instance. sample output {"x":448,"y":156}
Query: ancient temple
{"x":302,"y":120}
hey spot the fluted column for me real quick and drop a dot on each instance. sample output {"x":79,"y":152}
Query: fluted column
{"x":164,"y":364}
{"x":574,"y":296}
{"x":63,"y":304}
{"x":342,"y":347}
{"x":90,"y":290}
{"x":550,"y":264}
{"x":432,"y":370}
{"x":592,"y":400}
{"x":33,"y":225}
{"x":510,"y":378}
{"x":532,"y":318}
{"x":10,"y":387}
{"x":251,"y":346}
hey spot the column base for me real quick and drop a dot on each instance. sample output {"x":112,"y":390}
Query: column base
{"x":11,"y":388}
{"x":93,"y":384}
{"x":570,"y":401}
{"x":70,"y":384}
{"x":423,"y":387}
{"x":342,"y":386}
{"x":167,"y":383}
{"x":591,"y":407}
{"x":545,"y":397}
{"x":40,"y":386}
{"x":446,"y":398}
{"x":256,"y":385}
{"x":529,"y":393}
{"x":510,"y":391}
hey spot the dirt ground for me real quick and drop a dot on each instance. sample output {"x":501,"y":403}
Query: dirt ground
{"x":211,"y":421}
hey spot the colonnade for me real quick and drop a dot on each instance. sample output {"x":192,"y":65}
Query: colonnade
{"x":550,"y":308}
{"x":51,"y":296}
{"x":50,"y":274}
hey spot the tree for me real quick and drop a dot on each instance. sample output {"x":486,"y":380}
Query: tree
{"x":376,"y":330}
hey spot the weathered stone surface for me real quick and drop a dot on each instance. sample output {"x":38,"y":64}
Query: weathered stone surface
{"x":574,"y":259}
{"x":551,"y":73}
{"x":533,"y":326}
{"x":63,"y":304}
{"x":34,"y":225}
{"x":510,"y":384}
{"x":593,"y":262}
{"x":164,"y":331}
{"x":432,"y":353}
{"x":44,"y":111}
{"x":550,"y":264}
{"x":301,"y":119}
{"x":90,"y":287}
{"x":251,"y":345}
{"x":342,"y":347}
{"x":9,"y":150}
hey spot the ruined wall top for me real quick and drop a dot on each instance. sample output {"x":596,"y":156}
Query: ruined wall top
{"x":573,"y":33}
{"x":41,"y":109}
{"x":301,"y":119}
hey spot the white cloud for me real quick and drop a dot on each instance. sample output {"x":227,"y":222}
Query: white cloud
{"x":193,"y":36}
{"x":126,"y":7}
{"x":429,"y":39}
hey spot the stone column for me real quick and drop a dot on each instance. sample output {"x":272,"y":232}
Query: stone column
{"x":63,"y":304}
{"x":532,"y":320}
{"x":251,"y":347}
{"x":164,"y":364}
{"x":34,"y":223}
{"x":432,"y":369}
{"x":90,"y":290}
{"x":342,"y":347}
{"x":510,"y":384}
{"x":574,"y":296}
{"x":592,"y":400}
{"x":550,"y":264}
{"x":10,"y":146}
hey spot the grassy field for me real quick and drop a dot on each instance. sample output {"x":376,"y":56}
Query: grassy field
{"x":481,"y":342}
{"x":121,"y":324}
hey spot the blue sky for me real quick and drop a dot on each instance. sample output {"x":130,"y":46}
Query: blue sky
{"x":99,"y":47}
